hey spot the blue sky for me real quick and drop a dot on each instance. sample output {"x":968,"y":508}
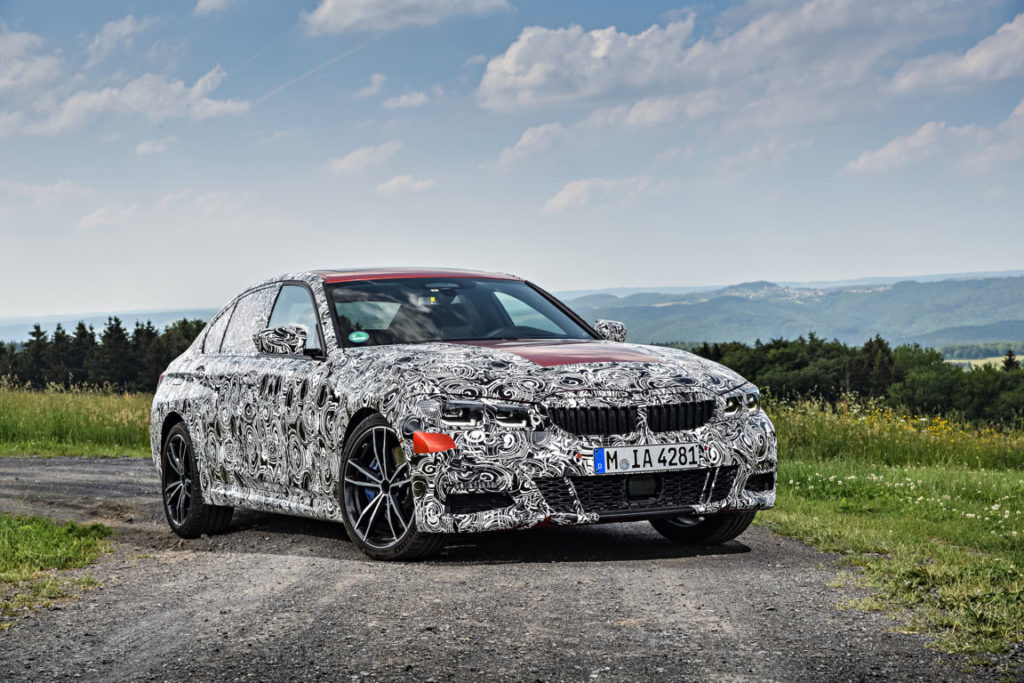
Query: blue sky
{"x":167,"y":155}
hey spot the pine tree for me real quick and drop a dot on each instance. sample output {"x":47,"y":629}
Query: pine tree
{"x":31,"y":361}
{"x":81,"y":352}
{"x":112,"y":360}
{"x":1010,"y":362}
{"x":56,"y":357}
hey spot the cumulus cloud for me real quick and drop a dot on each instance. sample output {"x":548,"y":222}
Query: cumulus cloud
{"x":404,"y":183}
{"x":601,"y":192}
{"x":114,"y":35}
{"x":906,"y":149}
{"x":646,"y":112}
{"x":364,"y":158}
{"x":410,"y":99}
{"x":46,"y":196}
{"x":339,"y":16}
{"x":771,"y":64}
{"x":997,"y":57}
{"x":550,"y":65}
{"x":209,"y":6}
{"x":376,"y":82}
{"x":155,"y":146}
{"x":152,"y":96}
{"x":21,"y":65}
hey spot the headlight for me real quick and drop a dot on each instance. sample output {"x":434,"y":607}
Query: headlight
{"x":462,"y":413}
{"x":516,"y":417}
{"x":750,"y":399}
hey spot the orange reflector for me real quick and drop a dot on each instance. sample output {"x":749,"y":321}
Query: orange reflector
{"x":430,"y":442}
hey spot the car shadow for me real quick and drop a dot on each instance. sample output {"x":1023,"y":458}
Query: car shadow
{"x":260,"y":532}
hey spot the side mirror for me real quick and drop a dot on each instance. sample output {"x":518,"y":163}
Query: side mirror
{"x":612,"y":330}
{"x":289,"y":340}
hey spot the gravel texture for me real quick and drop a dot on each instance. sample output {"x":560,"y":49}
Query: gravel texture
{"x":282,"y":598}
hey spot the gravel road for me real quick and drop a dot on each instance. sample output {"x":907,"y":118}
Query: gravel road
{"x":281,"y":598}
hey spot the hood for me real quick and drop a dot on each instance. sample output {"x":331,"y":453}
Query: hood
{"x":532,"y":370}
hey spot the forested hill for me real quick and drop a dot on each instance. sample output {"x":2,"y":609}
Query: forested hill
{"x":931,"y":313}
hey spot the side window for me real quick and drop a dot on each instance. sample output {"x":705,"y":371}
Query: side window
{"x":295,"y":307}
{"x":525,"y":315}
{"x":249,"y":317}
{"x":211,"y":344}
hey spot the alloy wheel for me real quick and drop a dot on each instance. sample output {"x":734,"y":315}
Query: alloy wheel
{"x":378,"y":489}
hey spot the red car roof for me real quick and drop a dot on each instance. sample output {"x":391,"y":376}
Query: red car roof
{"x":332,"y":276}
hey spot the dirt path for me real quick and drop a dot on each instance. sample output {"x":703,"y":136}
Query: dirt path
{"x":281,"y":598}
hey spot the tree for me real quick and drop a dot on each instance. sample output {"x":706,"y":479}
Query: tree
{"x":1010,"y":362}
{"x":81,"y":353}
{"x":31,"y":363}
{"x":56,"y":357}
{"x":112,"y":362}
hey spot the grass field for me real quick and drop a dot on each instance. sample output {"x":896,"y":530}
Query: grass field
{"x":931,"y":511}
{"x":977,"y":362}
{"x":30,"y":548}
{"x":73,"y":422}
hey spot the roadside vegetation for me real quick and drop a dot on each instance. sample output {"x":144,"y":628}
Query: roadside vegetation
{"x":932,"y":510}
{"x":75,"y":421}
{"x":33,"y":550}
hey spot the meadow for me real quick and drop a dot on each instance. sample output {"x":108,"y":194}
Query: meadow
{"x":926,"y":513}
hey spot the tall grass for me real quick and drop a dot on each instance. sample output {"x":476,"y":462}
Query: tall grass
{"x":60,"y":421}
{"x":931,"y":511}
{"x":872,"y":433}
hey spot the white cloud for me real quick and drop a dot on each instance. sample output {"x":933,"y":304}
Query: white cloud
{"x":106,"y":216}
{"x":474,"y":60}
{"x":997,"y":57}
{"x":647,"y":112}
{"x":209,"y":6}
{"x":21,"y":67}
{"x":601,"y":192}
{"x":772,"y":152}
{"x":376,"y":82}
{"x":906,"y":149}
{"x":410,"y":99}
{"x":769,"y":63}
{"x":46,"y":196}
{"x":154,"y":146}
{"x":153,"y":96}
{"x":551,"y":65}
{"x":364,"y":158}
{"x":339,"y":16}
{"x":113,"y":35}
{"x":403,"y":183}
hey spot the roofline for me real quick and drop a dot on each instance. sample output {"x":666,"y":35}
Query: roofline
{"x":333,"y":276}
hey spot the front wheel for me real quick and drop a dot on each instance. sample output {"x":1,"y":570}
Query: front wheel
{"x":184,"y":508}
{"x":711,"y":530}
{"x":376,"y":492}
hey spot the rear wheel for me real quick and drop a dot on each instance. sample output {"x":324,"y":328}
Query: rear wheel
{"x":188,"y":516}
{"x":711,"y":530}
{"x":376,"y":492}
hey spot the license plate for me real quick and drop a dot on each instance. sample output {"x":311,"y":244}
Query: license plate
{"x":646,"y":458}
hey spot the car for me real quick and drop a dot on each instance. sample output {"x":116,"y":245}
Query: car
{"x":414,"y":404}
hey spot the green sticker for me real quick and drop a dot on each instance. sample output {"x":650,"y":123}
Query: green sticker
{"x":358,"y":337}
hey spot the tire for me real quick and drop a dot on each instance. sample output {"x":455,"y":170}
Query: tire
{"x":186,"y":513}
{"x":712,"y":530}
{"x":372,"y":478}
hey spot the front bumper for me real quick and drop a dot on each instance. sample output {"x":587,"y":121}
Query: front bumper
{"x":497,"y":478}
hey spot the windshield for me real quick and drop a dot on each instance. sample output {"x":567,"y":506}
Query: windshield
{"x":404,"y":311}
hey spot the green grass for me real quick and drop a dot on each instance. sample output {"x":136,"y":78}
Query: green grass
{"x":30,"y":549}
{"x":932,"y":512}
{"x":74,"y":422}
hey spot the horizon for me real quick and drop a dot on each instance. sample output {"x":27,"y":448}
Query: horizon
{"x":171,"y":154}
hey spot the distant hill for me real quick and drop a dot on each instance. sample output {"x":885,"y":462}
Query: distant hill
{"x":17,"y":329}
{"x":953,"y":311}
